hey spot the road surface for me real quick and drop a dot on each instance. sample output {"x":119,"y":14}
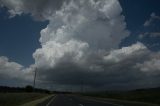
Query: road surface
{"x":75,"y":100}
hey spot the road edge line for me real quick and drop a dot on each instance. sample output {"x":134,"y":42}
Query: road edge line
{"x":94,"y":99}
{"x":36,"y":101}
{"x":51,"y":100}
{"x":105,"y":102}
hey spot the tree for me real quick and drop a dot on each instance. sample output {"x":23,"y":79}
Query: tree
{"x":29,"y":88}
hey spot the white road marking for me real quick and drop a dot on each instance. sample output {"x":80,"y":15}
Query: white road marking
{"x":51,"y":100}
{"x":81,"y":105}
{"x":113,"y":104}
{"x":104,"y":102}
{"x":71,"y":99}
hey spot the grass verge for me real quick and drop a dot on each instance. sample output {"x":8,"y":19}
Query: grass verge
{"x":152,"y":97}
{"x":16,"y":99}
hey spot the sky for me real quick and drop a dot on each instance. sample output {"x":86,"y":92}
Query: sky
{"x":100,"y":44}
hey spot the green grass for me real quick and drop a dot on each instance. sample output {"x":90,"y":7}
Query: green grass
{"x":139,"y":96}
{"x":16,"y":99}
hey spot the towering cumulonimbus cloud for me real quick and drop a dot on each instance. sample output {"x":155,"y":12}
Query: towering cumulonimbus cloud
{"x":76,"y":32}
{"x":80,"y":27}
{"x":80,"y":45}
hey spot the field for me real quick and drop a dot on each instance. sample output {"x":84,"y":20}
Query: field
{"x":147,"y":96}
{"x":15,"y":99}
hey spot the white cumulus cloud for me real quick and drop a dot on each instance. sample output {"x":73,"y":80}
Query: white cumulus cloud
{"x":153,"y":17}
{"x":12,"y":73}
{"x":120,"y":54}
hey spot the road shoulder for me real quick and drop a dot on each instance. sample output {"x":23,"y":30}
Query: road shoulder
{"x":38,"y":101}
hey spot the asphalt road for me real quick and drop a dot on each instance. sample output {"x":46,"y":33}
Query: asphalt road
{"x":73,"y":100}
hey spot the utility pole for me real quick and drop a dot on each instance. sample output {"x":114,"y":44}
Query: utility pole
{"x":82,"y":86}
{"x":34,"y":82}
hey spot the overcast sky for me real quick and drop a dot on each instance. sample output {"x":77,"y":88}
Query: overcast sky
{"x":100,"y":44}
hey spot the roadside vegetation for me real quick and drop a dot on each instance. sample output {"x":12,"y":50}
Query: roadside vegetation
{"x":16,"y":99}
{"x":15,"y":96}
{"x":142,"y":95}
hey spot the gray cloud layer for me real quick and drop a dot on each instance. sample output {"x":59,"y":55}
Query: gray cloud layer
{"x":80,"y":46}
{"x":40,"y":9}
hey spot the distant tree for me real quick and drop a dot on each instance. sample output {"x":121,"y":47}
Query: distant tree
{"x":29,"y":88}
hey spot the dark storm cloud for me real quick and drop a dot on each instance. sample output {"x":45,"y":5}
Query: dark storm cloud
{"x":120,"y":68}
